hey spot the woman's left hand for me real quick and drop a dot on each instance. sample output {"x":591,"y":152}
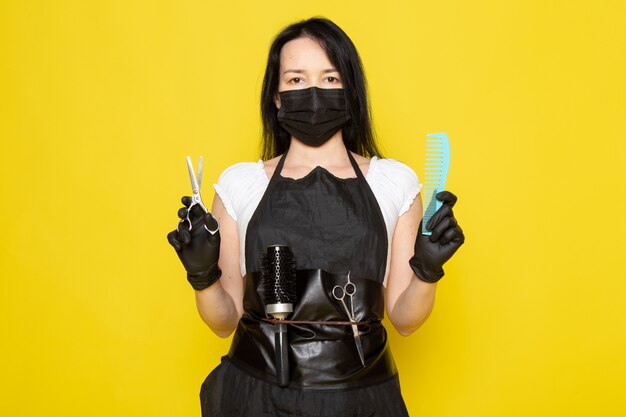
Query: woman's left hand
{"x":431,"y":252}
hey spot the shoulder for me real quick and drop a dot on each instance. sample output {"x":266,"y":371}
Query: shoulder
{"x":242,"y":171}
{"x":239,"y":184}
{"x":393,"y":181}
{"x":242,"y":176}
{"x":391,"y":170}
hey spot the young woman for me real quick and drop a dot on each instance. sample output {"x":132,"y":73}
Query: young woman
{"x":323,"y":191}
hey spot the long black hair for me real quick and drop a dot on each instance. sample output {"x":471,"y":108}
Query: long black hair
{"x":358,"y":134}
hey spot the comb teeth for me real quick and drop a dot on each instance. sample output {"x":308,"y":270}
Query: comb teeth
{"x":278,"y":269}
{"x":436,"y":172}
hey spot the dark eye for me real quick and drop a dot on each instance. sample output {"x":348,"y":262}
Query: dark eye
{"x":296,"y":80}
{"x":332,"y":79}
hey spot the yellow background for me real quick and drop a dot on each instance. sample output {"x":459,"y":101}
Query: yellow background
{"x":102,"y":101}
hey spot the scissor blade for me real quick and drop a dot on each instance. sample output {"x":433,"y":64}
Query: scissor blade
{"x":199,"y":175}
{"x":192,"y":176}
{"x":358,"y":343}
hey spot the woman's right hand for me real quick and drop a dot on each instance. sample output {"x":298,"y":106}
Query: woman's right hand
{"x":197,"y":248}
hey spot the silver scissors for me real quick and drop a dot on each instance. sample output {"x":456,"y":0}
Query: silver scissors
{"x":339,"y":293}
{"x":196,"y":181}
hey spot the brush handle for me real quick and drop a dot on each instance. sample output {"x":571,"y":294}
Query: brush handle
{"x":281,"y":345}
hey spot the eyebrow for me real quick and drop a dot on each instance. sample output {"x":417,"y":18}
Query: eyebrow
{"x":301,"y":71}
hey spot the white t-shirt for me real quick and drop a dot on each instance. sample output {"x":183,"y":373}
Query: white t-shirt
{"x":241,"y":187}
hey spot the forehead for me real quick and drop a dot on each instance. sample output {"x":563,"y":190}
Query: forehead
{"x":303,"y":53}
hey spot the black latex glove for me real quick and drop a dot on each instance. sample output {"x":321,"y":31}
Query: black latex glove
{"x":197,"y":249}
{"x":431,"y":252}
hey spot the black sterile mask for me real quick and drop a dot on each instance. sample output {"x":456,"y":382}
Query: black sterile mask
{"x":313,"y":115}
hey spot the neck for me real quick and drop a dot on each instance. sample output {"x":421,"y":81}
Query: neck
{"x":331,"y":153}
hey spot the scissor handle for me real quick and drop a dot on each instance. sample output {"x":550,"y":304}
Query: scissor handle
{"x":342,"y":293}
{"x":197,"y":200}
{"x":349,"y":288}
{"x":207,"y":229}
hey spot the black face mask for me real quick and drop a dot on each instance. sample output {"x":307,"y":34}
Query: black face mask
{"x":313,"y":115}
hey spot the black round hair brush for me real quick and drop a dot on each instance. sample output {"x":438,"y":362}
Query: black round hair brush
{"x":279,"y":285}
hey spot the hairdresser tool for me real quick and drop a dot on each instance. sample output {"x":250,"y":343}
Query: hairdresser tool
{"x":437,"y":166}
{"x":279,"y":285}
{"x":339,"y":293}
{"x":196,"y":199}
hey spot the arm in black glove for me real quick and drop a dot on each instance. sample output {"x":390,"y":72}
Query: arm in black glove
{"x":197,"y":249}
{"x":431,"y":252}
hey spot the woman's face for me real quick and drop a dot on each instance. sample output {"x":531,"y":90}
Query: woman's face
{"x":304,"y":64}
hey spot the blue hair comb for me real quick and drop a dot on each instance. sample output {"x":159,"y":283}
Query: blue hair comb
{"x":437,"y":165}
